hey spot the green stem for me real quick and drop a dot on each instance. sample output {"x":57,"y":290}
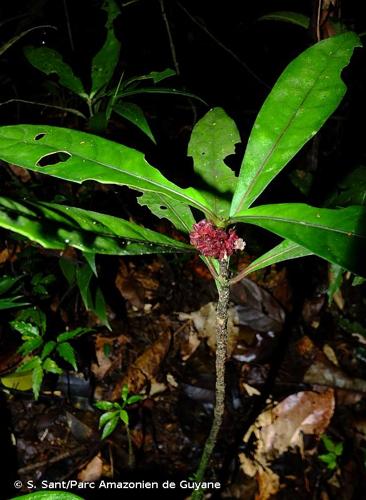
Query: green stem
{"x":221,"y":351}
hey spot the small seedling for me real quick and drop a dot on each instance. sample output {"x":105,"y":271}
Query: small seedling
{"x":115,"y":413}
{"x":334,"y":451}
{"x":31,"y":324}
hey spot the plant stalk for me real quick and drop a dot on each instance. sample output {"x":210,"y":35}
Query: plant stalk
{"x":221,"y":352}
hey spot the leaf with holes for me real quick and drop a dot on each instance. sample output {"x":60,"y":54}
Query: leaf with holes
{"x":165,"y":207}
{"x":337,"y":235}
{"x":213,"y":139}
{"x":304,"y":96}
{"x":77,"y":156}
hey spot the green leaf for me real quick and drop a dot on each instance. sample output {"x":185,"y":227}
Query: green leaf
{"x":30,"y":346}
{"x":358,"y":280}
{"x":110,"y":427}
{"x":338,"y":449}
{"x":329,"y":459}
{"x":72,"y":334}
{"x":213,"y":139}
{"x":124,"y":417}
{"x":51,"y":366}
{"x":106,"y":417}
{"x":83,"y":277}
{"x":7,"y":282}
{"x":68,"y":268}
{"x":49,"y":495}
{"x":34,"y":315}
{"x":134,"y":114}
{"x":29,"y":365}
{"x":165,"y":207}
{"x":11,"y":302}
{"x":90,"y":258}
{"x":87,"y":157}
{"x":100,"y":308}
{"x":124,"y":393}
{"x":305,"y":95}
{"x":156,"y":76}
{"x":48,"y":348}
{"x":67,"y":352}
{"x":328,"y":443}
{"x":37,"y":378}
{"x":134,"y":399}
{"x":336,"y":276}
{"x":288,"y":17}
{"x":337,"y":235}
{"x":104,"y":405}
{"x":286,"y":250}
{"x":105,"y":61}
{"x":49,"y":61}
{"x":56,"y":226}
{"x":27,"y":330}
{"x":351,"y":190}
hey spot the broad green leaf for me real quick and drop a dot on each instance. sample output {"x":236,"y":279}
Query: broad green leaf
{"x":288,"y":17}
{"x":328,"y":443}
{"x":285,"y":250}
{"x":164,"y":207}
{"x":304,"y":96}
{"x":37,"y":378}
{"x":67,"y":352}
{"x":104,"y":405}
{"x":49,"y":495}
{"x":49,"y":61}
{"x":51,"y":366}
{"x":337,"y":235}
{"x":105,"y":61}
{"x":106,"y":417}
{"x":134,"y":114}
{"x":80,"y":156}
{"x":57,"y":226}
{"x":72,"y":334}
{"x":48,"y":348}
{"x":110,"y":427}
{"x":213,"y":139}
{"x":124,"y":417}
{"x":7,"y":282}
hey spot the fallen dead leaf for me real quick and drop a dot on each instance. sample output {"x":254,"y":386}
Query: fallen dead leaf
{"x":106,"y":362}
{"x":93,"y":470}
{"x":144,"y":368}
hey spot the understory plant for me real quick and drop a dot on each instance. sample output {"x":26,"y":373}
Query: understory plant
{"x":305,"y":95}
{"x":39,"y":353}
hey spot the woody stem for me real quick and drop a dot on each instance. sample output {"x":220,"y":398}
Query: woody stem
{"x":221,"y":352}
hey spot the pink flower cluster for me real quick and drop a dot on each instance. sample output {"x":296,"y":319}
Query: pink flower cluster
{"x":214,"y":242}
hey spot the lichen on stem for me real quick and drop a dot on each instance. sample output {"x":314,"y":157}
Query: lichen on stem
{"x":221,"y":353}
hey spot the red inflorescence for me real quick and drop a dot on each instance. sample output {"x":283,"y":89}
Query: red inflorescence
{"x":214,"y":242}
